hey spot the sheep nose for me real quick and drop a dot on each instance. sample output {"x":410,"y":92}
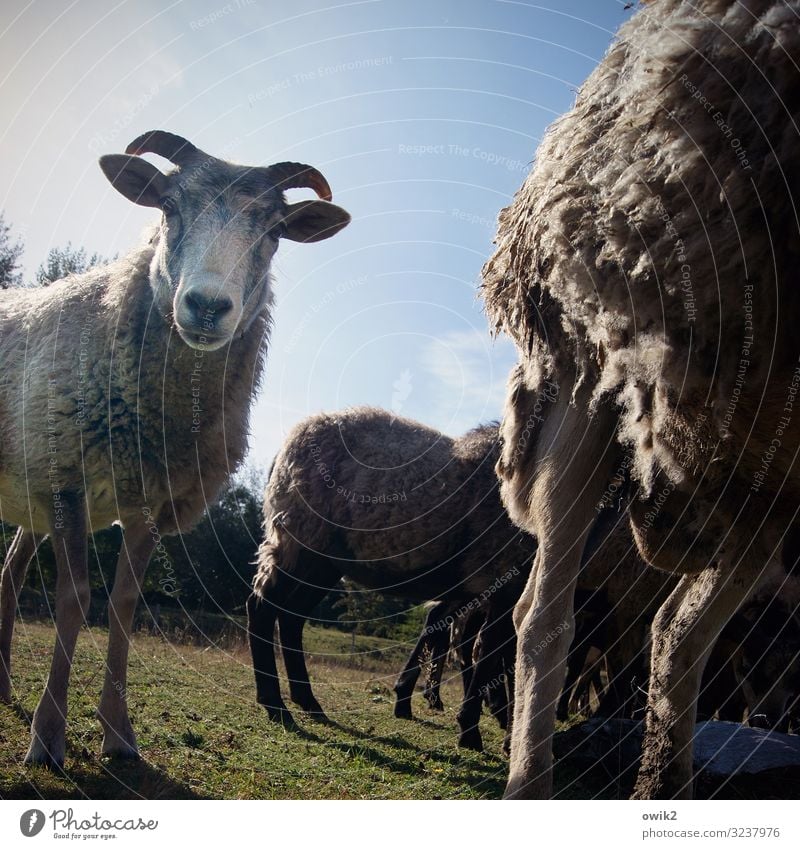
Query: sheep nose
{"x":207,"y":310}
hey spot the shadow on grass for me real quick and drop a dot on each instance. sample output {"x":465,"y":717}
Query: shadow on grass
{"x":489,"y":777}
{"x":91,"y":778}
{"x":88,"y":776}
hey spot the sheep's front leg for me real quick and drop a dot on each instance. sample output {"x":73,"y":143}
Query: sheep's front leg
{"x":137,"y":546}
{"x":72,"y":603}
{"x":554,"y":488}
{"x":22,"y":549}
{"x":435,"y":632}
{"x":684,"y":632}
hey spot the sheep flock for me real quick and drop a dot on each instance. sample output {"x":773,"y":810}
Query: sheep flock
{"x":623,"y":543}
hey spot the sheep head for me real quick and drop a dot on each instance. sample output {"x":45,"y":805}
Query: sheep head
{"x":220,"y":227}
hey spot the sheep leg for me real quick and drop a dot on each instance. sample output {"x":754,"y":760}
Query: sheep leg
{"x":498,"y":696}
{"x":435,"y":628}
{"x":290,"y":627}
{"x":497,"y":699}
{"x":439,"y":647}
{"x":465,"y":650}
{"x":684,"y":632}
{"x":262,"y":614}
{"x":587,"y":635}
{"x":70,"y":544}
{"x":490,"y":639}
{"x":555,"y":491}
{"x":291,"y":634}
{"x":19,"y":555}
{"x":625,"y":663}
{"x":118,"y":737}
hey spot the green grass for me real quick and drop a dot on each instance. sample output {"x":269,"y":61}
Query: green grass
{"x":201,"y":734}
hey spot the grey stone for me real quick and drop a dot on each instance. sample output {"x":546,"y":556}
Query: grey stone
{"x":728,"y":748}
{"x":720,"y":748}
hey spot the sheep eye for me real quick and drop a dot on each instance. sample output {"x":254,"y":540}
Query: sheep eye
{"x":277,"y":230}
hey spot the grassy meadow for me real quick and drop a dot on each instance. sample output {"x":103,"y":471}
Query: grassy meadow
{"x":201,"y":734}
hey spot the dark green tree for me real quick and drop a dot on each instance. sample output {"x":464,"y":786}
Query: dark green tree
{"x":215,"y":563}
{"x":10,"y":253}
{"x":369,"y":612}
{"x":67,"y":260}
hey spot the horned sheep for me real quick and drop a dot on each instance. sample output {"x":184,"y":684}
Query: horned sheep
{"x":647,"y":272}
{"x":126,"y":392}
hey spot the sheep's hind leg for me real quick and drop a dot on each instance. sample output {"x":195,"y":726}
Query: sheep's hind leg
{"x":119,"y":739}
{"x":72,"y":603}
{"x":438,"y":648}
{"x":262,"y":614}
{"x":499,"y":698}
{"x":586,"y":635}
{"x":290,"y":628}
{"x":684,"y":632}
{"x":20,"y":552}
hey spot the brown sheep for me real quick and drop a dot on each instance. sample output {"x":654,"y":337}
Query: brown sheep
{"x":395,"y":506}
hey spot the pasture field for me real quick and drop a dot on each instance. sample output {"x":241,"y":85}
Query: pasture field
{"x":202,"y":735}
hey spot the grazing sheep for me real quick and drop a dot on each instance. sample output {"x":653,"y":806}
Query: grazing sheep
{"x":646,"y":271}
{"x":432,"y":647}
{"x":451,"y":629}
{"x":398,"y":508}
{"x":126,"y":393}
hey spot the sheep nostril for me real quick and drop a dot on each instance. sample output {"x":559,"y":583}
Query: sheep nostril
{"x":195,"y":303}
{"x":207,"y":310}
{"x":221,"y":306}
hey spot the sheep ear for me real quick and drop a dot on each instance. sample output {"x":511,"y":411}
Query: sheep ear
{"x":137,"y":180}
{"x":313,"y":220}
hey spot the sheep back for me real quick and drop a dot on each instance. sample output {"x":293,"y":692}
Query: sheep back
{"x":395,"y":500}
{"x":655,"y":241}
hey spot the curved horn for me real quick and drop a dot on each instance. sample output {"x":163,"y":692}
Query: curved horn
{"x":295,"y":175}
{"x":172,"y":147}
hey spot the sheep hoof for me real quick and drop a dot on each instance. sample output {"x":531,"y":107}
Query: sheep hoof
{"x":402,"y":710}
{"x":315,"y":712}
{"x":437,"y":705}
{"x":281,"y":716}
{"x":39,"y":754}
{"x":308,"y":703}
{"x":121,"y":752}
{"x":471,"y":739}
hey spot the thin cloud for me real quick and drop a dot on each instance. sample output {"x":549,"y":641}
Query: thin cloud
{"x":468,"y":372}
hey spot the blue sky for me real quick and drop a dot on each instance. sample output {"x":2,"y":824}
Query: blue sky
{"x":424,"y":116}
